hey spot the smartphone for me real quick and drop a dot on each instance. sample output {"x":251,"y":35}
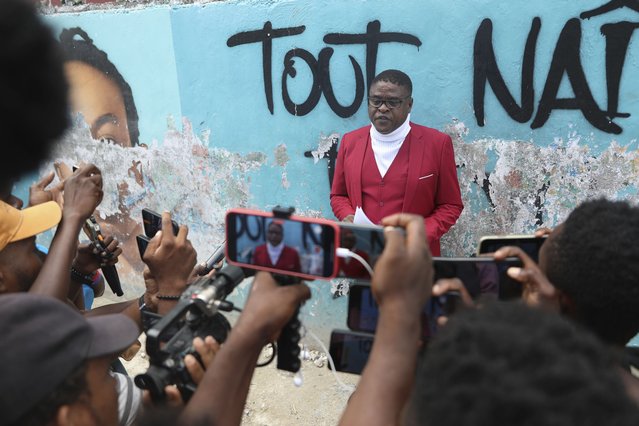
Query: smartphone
{"x":295,"y":246}
{"x":153,"y":222}
{"x":363,"y":312}
{"x":367,"y":241}
{"x":482,"y":276}
{"x":143,"y":241}
{"x":350,"y":350}
{"x":528,"y":243}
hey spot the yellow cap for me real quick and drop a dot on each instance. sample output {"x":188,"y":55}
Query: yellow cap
{"x":16,"y":225}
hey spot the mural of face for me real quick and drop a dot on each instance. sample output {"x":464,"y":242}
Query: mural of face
{"x":100,"y":101}
{"x":387,"y":119}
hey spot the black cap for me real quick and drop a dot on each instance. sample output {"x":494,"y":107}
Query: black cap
{"x":43,"y":340}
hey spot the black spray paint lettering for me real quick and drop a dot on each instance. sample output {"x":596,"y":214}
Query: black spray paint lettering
{"x":319,"y":66}
{"x":566,"y":60}
{"x":609,"y":7}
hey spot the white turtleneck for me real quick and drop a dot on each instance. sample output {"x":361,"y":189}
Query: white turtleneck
{"x":274,"y":252}
{"x":386,"y":147}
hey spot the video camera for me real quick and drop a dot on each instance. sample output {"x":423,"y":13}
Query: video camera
{"x":170,"y":339}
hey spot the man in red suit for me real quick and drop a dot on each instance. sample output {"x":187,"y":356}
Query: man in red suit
{"x":275,"y":254}
{"x":395,"y":165}
{"x":349,"y":267}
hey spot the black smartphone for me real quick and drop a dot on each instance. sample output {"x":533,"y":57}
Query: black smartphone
{"x":481,"y":276}
{"x":152,"y":221}
{"x":363,"y":312}
{"x":528,"y":243}
{"x":143,"y":241}
{"x":367,"y":241}
{"x":296,"y":246}
{"x":350,"y":350}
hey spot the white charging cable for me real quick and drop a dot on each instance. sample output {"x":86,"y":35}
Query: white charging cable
{"x":343,"y":385}
{"x":344,"y":252}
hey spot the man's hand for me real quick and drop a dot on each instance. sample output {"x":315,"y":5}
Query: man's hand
{"x":541,"y":232}
{"x":82,"y":192}
{"x":170,"y":258}
{"x":401,"y":284}
{"x":537,"y":290}
{"x":350,"y":218}
{"x":89,"y":258}
{"x":269,"y":307}
{"x":38,"y":192}
{"x":206,"y":349}
{"x":403,"y":274}
{"x":447,"y":285}
{"x":150,"y":299}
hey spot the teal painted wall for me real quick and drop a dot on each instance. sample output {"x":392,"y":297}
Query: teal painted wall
{"x":217,"y":133}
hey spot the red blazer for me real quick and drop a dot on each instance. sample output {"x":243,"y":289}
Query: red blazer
{"x":289,"y":259}
{"x":432,"y":189}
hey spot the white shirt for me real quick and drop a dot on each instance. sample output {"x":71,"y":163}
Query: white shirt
{"x":274,"y":252}
{"x":386,"y":147}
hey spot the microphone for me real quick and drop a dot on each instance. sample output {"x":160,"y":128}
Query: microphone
{"x":113,"y":279}
{"x":214,"y":259}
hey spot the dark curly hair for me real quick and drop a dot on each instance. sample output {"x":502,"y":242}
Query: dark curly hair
{"x":396,"y":77}
{"x":594,"y":259}
{"x":78,"y":46}
{"x":34,"y":110}
{"x":507,"y":364}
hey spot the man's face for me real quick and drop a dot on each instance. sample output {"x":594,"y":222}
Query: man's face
{"x":384,"y":118}
{"x":274,"y":234}
{"x":99,"y":405}
{"x":20,"y":264}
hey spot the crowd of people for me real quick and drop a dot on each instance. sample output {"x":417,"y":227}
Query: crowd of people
{"x":557,"y":356}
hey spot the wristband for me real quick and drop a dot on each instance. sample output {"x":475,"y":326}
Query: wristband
{"x":167,"y":297}
{"x":80,"y":277}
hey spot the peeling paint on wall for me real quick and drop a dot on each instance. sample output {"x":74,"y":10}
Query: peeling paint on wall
{"x":531,"y":186}
{"x":281,"y":156}
{"x":197,"y":184}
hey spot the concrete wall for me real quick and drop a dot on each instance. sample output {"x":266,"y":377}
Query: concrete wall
{"x":242,"y":103}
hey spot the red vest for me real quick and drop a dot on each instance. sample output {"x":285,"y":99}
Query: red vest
{"x":289,"y":260}
{"x":383,"y":197}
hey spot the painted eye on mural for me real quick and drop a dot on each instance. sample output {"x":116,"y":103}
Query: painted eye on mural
{"x":108,"y":139}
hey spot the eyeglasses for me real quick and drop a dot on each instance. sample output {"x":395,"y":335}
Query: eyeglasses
{"x":390,"y":103}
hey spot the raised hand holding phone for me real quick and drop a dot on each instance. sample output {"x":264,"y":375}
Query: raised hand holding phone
{"x":537,"y":289}
{"x":170,"y":259}
{"x":401,"y":284}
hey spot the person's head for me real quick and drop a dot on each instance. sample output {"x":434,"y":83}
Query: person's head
{"x":20,"y":262}
{"x":274,"y":233}
{"x":98,"y":90}
{"x":508,"y":364}
{"x":593,"y":260}
{"x":57,"y":362}
{"x":389,"y":100}
{"x":34,"y":104}
{"x":347,"y":238}
{"x":7,"y":196}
